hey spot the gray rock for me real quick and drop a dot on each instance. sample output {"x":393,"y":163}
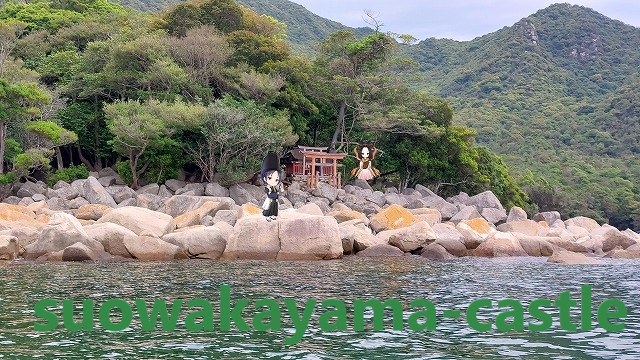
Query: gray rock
{"x":152,"y":248}
{"x":56,"y":204}
{"x":494,"y":216}
{"x":111,"y":236}
{"x":77,"y":203}
{"x":309,"y":238}
{"x":9,"y":248}
{"x":13,"y":200}
{"x":253,"y":238}
{"x":424,"y":191}
{"x":129,"y":202}
{"x":26,"y":201}
{"x":60,"y":184}
{"x":466,"y":213}
{"x":121,"y":193}
{"x":362,"y":184}
{"x":435,"y":251}
{"x":39,"y":197}
{"x":381,"y":250}
{"x":485,"y":199}
{"x":377,"y":197}
{"x":78,"y":185}
{"x":322,"y":203}
{"x":228,"y":216}
{"x":149,"y":189}
{"x":174,"y":184}
{"x":139,"y":219}
{"x":200,"y":242}
{"x":150,"y":201}
{"x":96,"y":193}
{"x":396,"y":199}
{"x":246,"y":193}
{"x":180,"y":204}
{"x":517,"y":214}
{"x":28,"y":189}
{"x":196,"y":188}
{"x":164,"y":192}
{"x":326,"y":191}
{"x":215,"y":189}
{"x":549,"y":216}
{"x":63,"y":230}
{"x":106,"y":172}
{"x":447,"y":210}
{"x":81,"y":252}
{"x":297,"y":197}
{"x":462,"y":198}
{"x":107,"y":180}
{"x":567,"y":257}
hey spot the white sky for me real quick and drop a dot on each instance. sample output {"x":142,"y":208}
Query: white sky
{"x":455,"y":19}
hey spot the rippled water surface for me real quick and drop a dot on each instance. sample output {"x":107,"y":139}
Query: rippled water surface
{"x":449,"y":285}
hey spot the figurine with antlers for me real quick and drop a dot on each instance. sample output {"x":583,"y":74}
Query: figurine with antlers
{"x":365,"y":170}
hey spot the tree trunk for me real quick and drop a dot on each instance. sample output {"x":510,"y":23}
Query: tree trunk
{"x":84,"y":160}
{"x":339,"y":126}
{"x":3,"y":134}
{"x":59,"y":158}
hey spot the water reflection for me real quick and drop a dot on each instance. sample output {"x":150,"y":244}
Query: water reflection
{"x":449,"y":285}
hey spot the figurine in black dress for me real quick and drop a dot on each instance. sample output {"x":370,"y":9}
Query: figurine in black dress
{"x":270,"y":174}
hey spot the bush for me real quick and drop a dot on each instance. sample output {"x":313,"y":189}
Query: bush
{"x":124,"y":170}
{"x":68,"y":174}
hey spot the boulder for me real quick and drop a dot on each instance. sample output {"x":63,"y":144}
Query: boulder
{"x":527,"y":227}
{"x":78,"y":202}
{"x":196,"y":188}
{"x":361,"y":184}
{"x":466,"y":213}
{"x":63,"y":230}
{"x":517,"y":214}
{"x":215,"y":189}
{"x":174,"y":185}
{"x":500,"y":244}
{"x":347,"y":215}
{"x":26,"y":201}
{"x":619,"y":253}
{"x":381,"y":250}
{"x":139,"y":219}
{"x":326,"y":191}
{"x":393,"y":217}
{"x":377,"y":197}
{"x":432,"y":216}
{"x":227,"y":216}
{"x":150,"y":201}
{"x":309,"y":238}
{"x":92,"y":211}
{"x":424,"y":191}
{"x":12,"y":216}
{"x":111,"y":236}
{"x":360,"y":237}
{"x":246,"y":193}
{"x":484,"y":200}
{"x":297,"y":196}
{"x":28,"y":189}
{"x":494,"y":216}
{"x":248,"y":210}
{"x":95,"y":193}
{"x":568,"y":245}
{"x":474,"y":232}
{"x":148,"y":247}
{"x":24,"y":235}
{"x":322,"y":203}
{"x":253,"y":238}
{"x":180,"y":204}
{"x":81,"y":252}
{"x":129,"y":202}
{"x":9,"y":248}
{"x":106,"y":181}
{"x":164,"y":192}
{"x":310,"y":209}
{"x":447,"y":210}
{"x":453,"y":246}
{"x":121,"y":193}
{"x":107,"y":171}
{"x":149,"y":189}
{"x":56,"y":203}
{"x":583,"y":222}
{"x":567,"y":257}
{"x":199,"y":242}
{"x":396,"y":199}
{"x":194,"y":217}
{"x":612,"y":238}
{"x":535,"y":245}
{"x":409,"y":238}
{"x":39,"y":197}
{"x":436,"y":251}
{"x":549,"y":216}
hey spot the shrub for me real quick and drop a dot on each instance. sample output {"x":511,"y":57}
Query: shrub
{"x":68,"y":174}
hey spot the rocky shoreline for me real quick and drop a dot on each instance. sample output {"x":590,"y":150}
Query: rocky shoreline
{"x":99,"y":218}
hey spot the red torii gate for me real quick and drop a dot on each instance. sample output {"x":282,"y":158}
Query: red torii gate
{"x":314,"y":164}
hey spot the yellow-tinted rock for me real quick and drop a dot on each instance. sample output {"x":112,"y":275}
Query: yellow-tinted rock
{"x":248,"y":210}
{"x":393,"y":217}
{"x":346,"y":215}
{"x":92,"y":211}
{"x":480,"y":225}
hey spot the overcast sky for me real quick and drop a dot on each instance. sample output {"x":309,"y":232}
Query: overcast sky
{"x":455,"y":19}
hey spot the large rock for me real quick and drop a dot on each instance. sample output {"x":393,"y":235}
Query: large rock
{"x":9,"y":248}
{"x":310,"y":209}
{"x":583,"y":222}
{"x":473,"y":232}
{"x":396,"y":199}
{"x":453,"y":246}
{"x":309,"y":238}
{"x":409,"y":238}
{"x":535,"y":245}
{"x":549,"y":216}
{"x":25,"y":236}
{"x":347,"y":215}
{"x":432,"y":216}
{"x":381,"y":250}
{"x":253,"y":238}
{"x":92,"y":211}
{"x":180,"y":204}
{"x":28,"y":189}
{"x":393,"y":217}
{"x":12,"y":216}
{"x":139,"y":219}
{"x":517,"y":214}
{"x":297,"y":197}
{"x":376,"y":197}
{"x":567,"y":257}
{"x":81,"y":252}
{"x":246,"y":193}
{"x":95,"y":193}
{"x":215,"y":189}
{"x":149,"y":189}
{"x":447,"y":210}
{"x":436,"y":251}
{"x":79,"y":202}
{"x":619,"y":253}
{"x":527,"y":227}
{"x":358,"y":237}
{"x":150,"y":201}
{"x":111,"y":236}
{"x":194,"y":217}
{"x":326,"y":191}
{"x":500,"y":244}
{"x":424,"y":191}
{"x":199,"y":242}
{"x":568,"y":245}
{"x":227,"y":216}
{"x":466,"y":213}
{"x":612,"y":238}
{"x":494,"y":216}
{"x":63,"y":230}
{"x":174,"y":184}
{"x":483,"y":200}
{"x":152,"y":248}
{"x":196,"y":188}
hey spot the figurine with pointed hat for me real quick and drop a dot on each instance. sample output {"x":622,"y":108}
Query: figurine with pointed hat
{"x":272,"y":178}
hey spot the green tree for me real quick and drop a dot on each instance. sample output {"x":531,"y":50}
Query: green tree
{"x":48,"y":134}
{"x":18,"y":102}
